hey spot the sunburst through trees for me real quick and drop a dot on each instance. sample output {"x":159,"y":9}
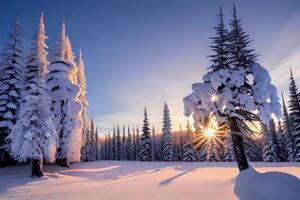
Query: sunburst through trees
{"x":209,"y":139}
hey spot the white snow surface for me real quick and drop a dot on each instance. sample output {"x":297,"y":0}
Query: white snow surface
{"x":107,"y":180}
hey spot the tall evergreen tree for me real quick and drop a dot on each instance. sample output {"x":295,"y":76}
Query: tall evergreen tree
{"x":145,"y":140}
{"x":64,"y":92}
{"x":129,"y":146}
{"x":287,"y":131}
{"x":33,"y":136}
{"x":82,"y":97}
{"x":200,"y":145}
{"x":11,"y":69}
{"x":97,"y":146}
{"x":212,"y":150}
{"x":241,"y":56}
{"x":137,"y":143}
{"x":268,"y":145}
{"x":294,"y":106}
{"x":273,"y":135}
{"x":109,"y":148}
{"x":154,"y":145}
{"x":118,"y":145}
{"x":93,"y":139}
{"x":114,"y":145}
{"x":167,"y":149}
{"x":123,"y":144}
{"x":282,"y":155}
{"x":134,"y":147}
{"x":88,"y":150}
{"x":220,"y":46}
{"x":229,"y":152}
{"x":189,"y":154}
{"x":181,"y":143}
{"x":106,"y":148}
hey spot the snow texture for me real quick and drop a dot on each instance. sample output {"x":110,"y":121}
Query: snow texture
{"x":153,"y":180}
{"x":264,"y":100}
{"x":251,"y":184}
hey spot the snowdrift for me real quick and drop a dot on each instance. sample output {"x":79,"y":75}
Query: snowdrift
{"x":250,"y":184}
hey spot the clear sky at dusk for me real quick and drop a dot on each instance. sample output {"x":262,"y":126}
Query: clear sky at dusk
{"x":142,"y":53}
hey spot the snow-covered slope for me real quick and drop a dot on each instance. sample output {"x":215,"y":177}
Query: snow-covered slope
{"x":143,"y":180}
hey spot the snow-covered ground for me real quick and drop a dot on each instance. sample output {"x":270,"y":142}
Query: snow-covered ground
{"x":117,"y":180}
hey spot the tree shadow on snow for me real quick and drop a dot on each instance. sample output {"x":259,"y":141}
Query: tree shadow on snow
{"x":184,"y":170}
{"x":15,"y":176}
{"x":251,"y":184}
{"x":107,"y":171}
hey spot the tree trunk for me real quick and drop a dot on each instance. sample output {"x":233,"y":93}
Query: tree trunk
{"x":5,"y":158}
{"x":37,"y":166}
{"x":64,"y":162}
{"x":2,"y":158}
{"x":238,"y":147}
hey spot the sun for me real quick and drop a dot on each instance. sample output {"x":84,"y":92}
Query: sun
{"x":210,"y":132}
{"x":214,"y":98}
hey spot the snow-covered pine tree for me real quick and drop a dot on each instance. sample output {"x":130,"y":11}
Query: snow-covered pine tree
{"x":154,"y":151}
{"x":180,"y":143}
{"x":167,"y":148}
{"x":123,"y":149}
{"x":34,"y":136}
{"x":294,"y":106}
{"x":287,"y":132}
{"x":253,"y":145}
{"x":189,"y":154}
{"x":118,"y":144}
{"x":129,"y":146}
{"x":82,"y":97}
{"x":97,"y":146}
{"x":114,"y":145}
{"x":102,"y":144}
{"x":240,"y":55}
{"x":89,"y":151}
{"x":105,"y":148}
{"x":145,"y":140}
{"x":109,"y":148}
{"x":273,"y":135}
{"x":11,"y":68}
{"x":137,"y":143}
{"x":282,"y":155}
{"x":221,"y":138}
{"x":212,"y":150}
{"x":93,"y":139}
{"x":229,"y":152}
{"x":64,"y":92}
{"x":199,"y":144}
{"x":268,"y":145}
{"x":220,"y":46}
{"x":231,"y":96}
{"x":134,"y":148}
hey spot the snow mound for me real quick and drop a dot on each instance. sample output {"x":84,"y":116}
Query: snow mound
{"x":251,"y":184}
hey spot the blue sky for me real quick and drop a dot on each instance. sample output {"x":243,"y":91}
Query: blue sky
{"x":142,"y":53}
